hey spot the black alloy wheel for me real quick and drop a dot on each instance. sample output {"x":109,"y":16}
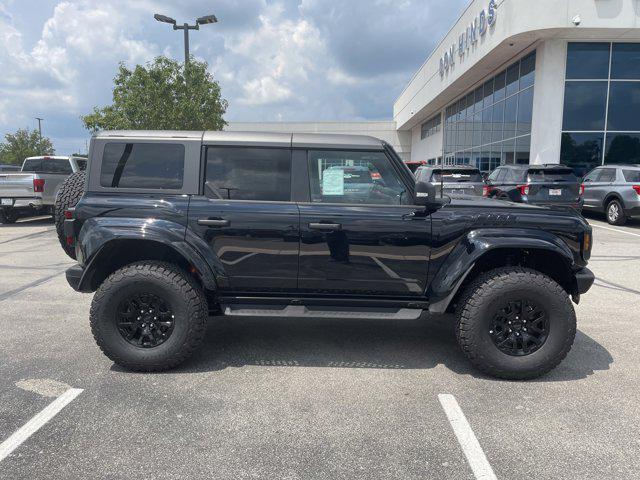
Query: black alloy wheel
{"x":519,"y":327}
{"x":145,"y":320}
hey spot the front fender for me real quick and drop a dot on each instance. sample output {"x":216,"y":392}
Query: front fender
{"x":98,"y":233}
{"x":464,"y":256}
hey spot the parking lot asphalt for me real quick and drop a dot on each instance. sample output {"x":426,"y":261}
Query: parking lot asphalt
{"x":299,"y":399}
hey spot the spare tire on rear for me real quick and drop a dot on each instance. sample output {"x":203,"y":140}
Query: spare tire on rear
{"x":69,"y":195}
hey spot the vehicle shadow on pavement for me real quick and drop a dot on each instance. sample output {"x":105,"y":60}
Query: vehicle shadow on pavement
{"x":29,"y":222}
{"x":379,"y":344}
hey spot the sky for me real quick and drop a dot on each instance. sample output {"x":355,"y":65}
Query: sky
{"x":276,"y":60}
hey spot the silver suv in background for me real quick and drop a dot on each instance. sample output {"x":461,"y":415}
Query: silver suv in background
{"x":614,"y":190}
{"x":33,"y":190}
{"x":454,"y":180}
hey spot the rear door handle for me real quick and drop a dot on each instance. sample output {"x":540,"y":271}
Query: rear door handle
{"x":325,"y":226}
{"x":205,"y":222}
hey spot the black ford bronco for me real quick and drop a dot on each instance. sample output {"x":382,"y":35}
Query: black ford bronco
{"x":172,"y":228}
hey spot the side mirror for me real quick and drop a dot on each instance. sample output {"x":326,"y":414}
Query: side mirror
{"x":426,"y":194}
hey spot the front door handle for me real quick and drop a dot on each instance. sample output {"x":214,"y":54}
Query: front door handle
{"x":206,"y":222}
{"x":325,"y":226}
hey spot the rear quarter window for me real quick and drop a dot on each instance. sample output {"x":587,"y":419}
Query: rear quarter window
{"x":151,"y":166}
{"x":631,"y":175}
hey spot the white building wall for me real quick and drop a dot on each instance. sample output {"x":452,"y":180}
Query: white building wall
{"x":428,"y":148}
{"x":384,"y":130}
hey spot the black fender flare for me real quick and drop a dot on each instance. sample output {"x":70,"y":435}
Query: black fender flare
{"x":101,"y":235}
{"x":460,"y":262}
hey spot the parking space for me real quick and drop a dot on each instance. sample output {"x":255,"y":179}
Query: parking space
{"x":290,"y":398}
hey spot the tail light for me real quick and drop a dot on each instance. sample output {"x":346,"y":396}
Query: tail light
{"x":637,"y":189}
{"x":68,"y":214}
{"x":485,"y":190}
{"x":38,"y":185}
{"x":376,"y":176}
{"x":524,"y":189}
{"x":582,"y":189}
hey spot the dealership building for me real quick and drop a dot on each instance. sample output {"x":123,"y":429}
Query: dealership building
{"x":520,"y":81}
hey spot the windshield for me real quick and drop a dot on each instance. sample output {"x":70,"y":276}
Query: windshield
{"x":631,"y":175}
{"x":457,"y":176}
{"x":552,"y":175}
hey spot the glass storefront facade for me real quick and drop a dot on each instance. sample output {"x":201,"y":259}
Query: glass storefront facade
{"x":491,"y":125}
{"x":601,"y":102}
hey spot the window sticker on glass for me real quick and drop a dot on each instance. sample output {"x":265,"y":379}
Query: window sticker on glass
{"x":333,"y":182}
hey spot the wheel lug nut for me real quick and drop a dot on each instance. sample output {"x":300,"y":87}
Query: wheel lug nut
{"x":138,"y":318}
{"x":490,"y":331}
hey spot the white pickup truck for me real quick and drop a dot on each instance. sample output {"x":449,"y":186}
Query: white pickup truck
{"x":33,"y":190}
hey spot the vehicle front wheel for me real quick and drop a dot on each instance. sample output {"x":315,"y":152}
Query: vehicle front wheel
{"x":615,"y":213}
{"x":149,"y":316}
{"x":515,"y":323}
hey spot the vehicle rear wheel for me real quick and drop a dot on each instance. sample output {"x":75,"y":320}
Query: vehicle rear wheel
{"x":69,"y":195}
{"x":615,"y":213}
{"x":8,"y":216}
{"x":515,"y":323}
{"x":149,"y":316}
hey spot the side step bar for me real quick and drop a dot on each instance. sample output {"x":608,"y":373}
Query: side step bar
{"x":295,"y":311}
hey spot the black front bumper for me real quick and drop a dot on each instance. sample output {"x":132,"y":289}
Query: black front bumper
{"x":584,"y":280}
{"x":74,"y":276}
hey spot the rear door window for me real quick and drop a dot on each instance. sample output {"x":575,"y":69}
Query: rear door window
{"x":152,"y":166}
{"x":259,"y":174}
{"x":631,"y":176}
{"x":607,"y":175}
{"x":552,"y":175}
{"x":32,"y":165}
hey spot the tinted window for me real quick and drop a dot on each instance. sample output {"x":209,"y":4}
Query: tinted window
{"x":581,"y":151}
{"x":142,"y":165}
{"x":552,"y":175}
{"x":631,"y":175}
{"x":354,"y":177}
{"x":625,"y":61}
{"x":495,"y":174}
{"x":56,"y":166}
{"x":607,"y":175}
{"x":525,"y":111}
{"x":457,"y":176}
{"x":514,"y":176}
{"x":592,"y":177}
{"x":624,"y":104}
{"x":588,"y":60}
{"x":33,"y":165}
{"x":513,"y":73}
{"x":262,"y":174}
{"x":622,"y":148}
{"x":527,"y":71}
{"x":584,"y":105}
{"x":499,"y":86}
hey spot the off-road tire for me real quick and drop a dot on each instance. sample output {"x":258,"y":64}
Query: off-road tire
{"x":159,"y":278}
{"x":621,"y":218}
{"x":478,"y":305}
{"x":68,"y":196}
{"x":8,"y":216}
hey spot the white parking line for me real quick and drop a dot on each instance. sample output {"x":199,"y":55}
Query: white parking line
{"x":616,"y":230}
{"x":33,"y":425}
{"x":467,"y":439}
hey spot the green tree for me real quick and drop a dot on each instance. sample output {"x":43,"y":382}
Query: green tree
{"x":22,"y":144}
{"x":162,"y":95}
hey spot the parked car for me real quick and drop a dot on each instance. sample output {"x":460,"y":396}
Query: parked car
{"x":614,"y":190}
{"x":175,"y":225}
{"x":9,"y":168}
{"x":33,"y":190}
{"x":455,"y":180}
{"x":545,"y":185}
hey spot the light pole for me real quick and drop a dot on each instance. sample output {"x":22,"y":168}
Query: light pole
{"x":186,"y":27}
{"x":40,"y":130}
